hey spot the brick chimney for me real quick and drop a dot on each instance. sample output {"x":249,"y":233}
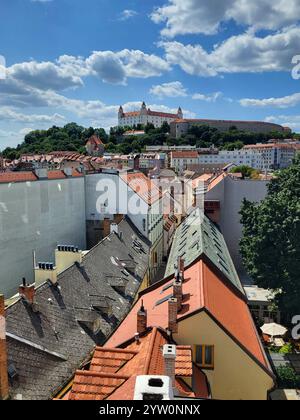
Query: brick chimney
{"x":181,"y":266}
{"x":169,"y":355}
{"x":142,"y":320}
{"x":4,"y":387}
{"x":177,"y":292}
{"x":27,"y":292}
{"x":172,"y":312}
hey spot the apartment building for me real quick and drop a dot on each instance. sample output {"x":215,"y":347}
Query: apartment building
{"x":270,"y":156}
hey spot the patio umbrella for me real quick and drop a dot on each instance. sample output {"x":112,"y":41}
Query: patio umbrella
{"x":274,"y":330}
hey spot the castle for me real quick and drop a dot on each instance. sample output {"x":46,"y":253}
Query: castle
{"x":146,"y":115}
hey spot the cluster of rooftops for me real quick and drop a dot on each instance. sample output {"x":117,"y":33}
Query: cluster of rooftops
{"x":92,"y":333}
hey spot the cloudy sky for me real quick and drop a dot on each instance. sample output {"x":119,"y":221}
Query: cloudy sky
{"x":78,"y":60}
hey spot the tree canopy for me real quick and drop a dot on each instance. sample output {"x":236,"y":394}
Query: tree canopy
{"x":72,"y":137}
{"x":271,"y":239}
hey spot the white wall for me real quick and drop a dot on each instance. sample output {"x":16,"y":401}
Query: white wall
{"x":106,"y":188}
{"x":37,"y":216}
{"x":231,"y":193}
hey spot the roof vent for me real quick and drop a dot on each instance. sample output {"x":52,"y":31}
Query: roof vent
{"x":153,"y":387}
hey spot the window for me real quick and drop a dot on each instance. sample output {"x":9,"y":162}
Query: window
{"x":204,"y":356}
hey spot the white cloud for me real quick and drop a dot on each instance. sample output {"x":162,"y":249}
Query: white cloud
{"x":212,"y":97}
{"x":245,"y":53}
{"x":284,"y":102}
{"x":170,"y":90}
{"x":127,"y":14}
{"x":107,"y":66}
{"x":206,"y":16}
{"x":193,"y":59}
{"x":7,"y":114}
{"x":292,"y":121}
{"x":116,"y":67}
{"x":138,"y":64}
{"x":45,"y":75}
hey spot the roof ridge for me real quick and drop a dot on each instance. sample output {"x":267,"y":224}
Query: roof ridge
{"x":101,"y":374}
{"x":116,"y":350}
{"x":150,"y":350}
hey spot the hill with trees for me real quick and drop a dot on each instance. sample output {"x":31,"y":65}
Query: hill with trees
{"x":72,"y":137}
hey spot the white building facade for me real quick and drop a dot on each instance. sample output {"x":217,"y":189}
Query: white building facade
{"x":259,"y":156}
{"x":146,"y":116}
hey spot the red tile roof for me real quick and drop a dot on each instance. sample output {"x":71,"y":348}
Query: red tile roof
{"x":113,"y":371}
{"x":204,"y":290}
{"x":131,"y":114}
{"x":94,"y":140}
{"x":56,"y":175}
{"x":76,"y":173}
{"x":143,"y":186}
{"x":8,"y":177}
{"x":162,"y":114}
{"x":214,"y":182}
{"x":184,"y":155}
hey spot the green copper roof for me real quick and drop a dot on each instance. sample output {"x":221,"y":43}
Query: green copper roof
{"x":196,"y":236}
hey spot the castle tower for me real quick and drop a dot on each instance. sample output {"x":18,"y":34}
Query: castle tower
{"x":121,"y":112}
{"x":180,"y":113}
{"x":144,"y":109}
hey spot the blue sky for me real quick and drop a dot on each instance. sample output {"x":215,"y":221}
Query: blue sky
{"x":78,"y":60}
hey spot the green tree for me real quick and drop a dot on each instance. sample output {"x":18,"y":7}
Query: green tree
{"x":271,"y":239}
{"x":246,"y":171}
{"x":287,"y":377}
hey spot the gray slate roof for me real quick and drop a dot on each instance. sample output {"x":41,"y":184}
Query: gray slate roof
{"x":46,"y":347}
{"x":197,"y":236}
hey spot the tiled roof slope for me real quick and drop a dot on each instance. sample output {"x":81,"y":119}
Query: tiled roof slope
{"x":197,"y":236}
{"x":47,"y":345}
{"x":202,"y":290}
{"x":113,"y":371}
{"x":143,"y":186}
{"x":7,"y":177}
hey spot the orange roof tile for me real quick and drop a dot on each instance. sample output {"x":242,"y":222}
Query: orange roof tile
{"x":143,"y":186}
{"x":189,"y":154}
{"x":56,"y":175}
{"x":113,"y":371}
{"x":7,"y":177}
{"x":203,"y":178}
{"x":76,"y":173}
{"x":203,"y":290}
{"x":94,"y":386}
{"x":216,"y":181}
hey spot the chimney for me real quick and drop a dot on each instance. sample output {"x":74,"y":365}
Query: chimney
{"x":172,"y":322}
{"x":43,"y":272}
{"x":66,"y":256}
{"x":27,"y":292}
{"x":181,"y":266}
{"x":4,"y":387}
{"x":68,"y":171}
{"x":142,"y":320}
{"x":177,"y":292}
{"x":169,"y":355}
{"x":114,"y":228}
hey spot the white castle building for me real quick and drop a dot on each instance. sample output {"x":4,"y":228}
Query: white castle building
{"x":144,"y":116}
